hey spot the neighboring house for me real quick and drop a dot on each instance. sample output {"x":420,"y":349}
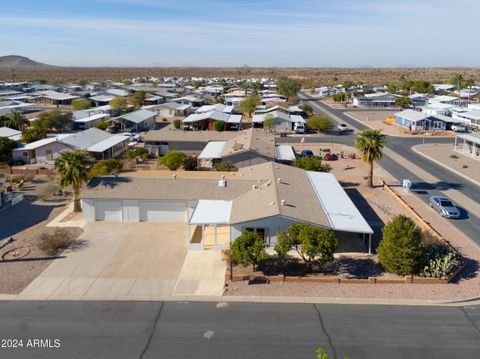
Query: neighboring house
{"x":11,"y":134}
{"x":473,"y":117}
{"x":377,"y":99}
{"x":437,"y":108}
{"x":50,"y":97}
{"x":326,"y":91}
{"x":162,"y":141}
{"x":139,"y":120}
{"x":282,"y":121}
{"x":102,"y":100}
{"x":99,"y":143}
{"x":217,"y":107}
{"x":449,"y":100}
{"x":153,"y":100}
{"x":468,"y":144}
{"x":7,"y":106}
{"x":117,"y":92}
{"x":84,"y":123}
{"x":250,"y":147}
{"x":444,"y":88}
{"x":420,"y":121}
{"x":418,"y":99}
{"x":217,"y":211}
{"x":206,"y":120}
{"x":170,"y":109}
{"x":189,"y":100}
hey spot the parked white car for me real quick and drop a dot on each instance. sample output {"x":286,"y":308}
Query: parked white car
{"x":342,"y":127}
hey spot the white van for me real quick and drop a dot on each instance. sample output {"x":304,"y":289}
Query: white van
{"x":299,"y":127}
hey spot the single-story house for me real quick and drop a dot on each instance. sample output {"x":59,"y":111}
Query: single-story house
{"x":189,"y":100}
{"x":437,"y":108}
{"x":50,"y":97}
{"x":117,"y":92}
{"x":170,"y":109}
{"x":250,"y":147}
{"x":139,"y":120}
{"x":418,"y":99}
{"x":218,"y":210}
{"x":217,"y":107}
{"x":326,"y":91}
{"x":449,"y":100}
{"x":84,"y":123}
{"x":441,"y":88}
{"x":377,"y":99}
{"x":282,"y":121}
{"x":153,"y":100}
{"x":473,"y":117}
{"x":11,"y":134}
{"x":206,"y":120}
{"x":468,"y":144}
{"x":160,"y":142}
{"x":102,"y":100}
{"x":99,"y":143}
{"x":421,"y":121}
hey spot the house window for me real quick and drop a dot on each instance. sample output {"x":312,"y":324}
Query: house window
{"x":49,"y":155}
{"x":261,"y":231}
{"x":437,"y":125}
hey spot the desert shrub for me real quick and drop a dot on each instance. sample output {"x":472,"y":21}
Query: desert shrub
{"x":48,"y":191}
{"x":190,"y":163}
{"x":225,"y":166}
{"x":54,"y":243}
{"x":320,"y":122}
{"x":106,"y":167}
{"x":177,"y":123}
{"x":173,"y":160}
{"x":133,"y":153}
{"x":249,"y":248}
{"x":442,"y":266}
{"x":401,"y":249}
{"x":103,"y":125}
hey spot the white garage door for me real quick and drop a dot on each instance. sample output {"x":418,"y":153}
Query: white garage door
{"x":108,"y":211}
{"x":162,"y":211}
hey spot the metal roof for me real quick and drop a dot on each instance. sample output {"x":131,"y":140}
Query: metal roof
{"x":284,"y":153}
{"x":472,"y":137}
{"x":138,"y":116}
{"x":213,"y":150}
{"x":108,"y":143}
{"x":339,"y":208}
{"x":91,"y":118}
{"x":84,"y":139}
{"x":211,"y":212}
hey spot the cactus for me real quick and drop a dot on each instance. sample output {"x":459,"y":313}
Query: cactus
{"x":442,"y":265}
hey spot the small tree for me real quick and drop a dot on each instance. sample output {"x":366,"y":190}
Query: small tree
{"x":137,"y":99}
{"x":269,"y":122}
{"x":133,"y":153}
{"x":219,"y":126}
{"x":173,"y":160}
{"x":339,"y":97}
{"x":190,"y":163}
{"x":403,"y":101}
{"x":33,"y":134}
{"x":81,"y":104}
{"x":320,"y":122}
{"x":102,"y":125}
{"x":6,"y":147}
{"x":118,"y":104}
{"x":307,"y":109}
{"x":249,"y":248}
{"x":311,"y":164}
{"x":401,"y":249}
{"x":177,"y":123}
{"x":106,"y":167}
{"x":225,"y":166}
{"x":249,"y":104}
{"x":311,"y":243}
{"x":288,"y":86}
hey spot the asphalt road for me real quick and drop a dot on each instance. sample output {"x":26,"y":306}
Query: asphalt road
{"x":206,"y":330}
{"x":470,"y":221}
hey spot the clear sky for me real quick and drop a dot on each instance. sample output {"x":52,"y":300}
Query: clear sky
{"x":341,"y":33}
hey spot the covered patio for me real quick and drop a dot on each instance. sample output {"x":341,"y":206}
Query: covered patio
{"x":468,"y":144}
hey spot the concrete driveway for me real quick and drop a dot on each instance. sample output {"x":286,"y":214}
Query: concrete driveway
{"x":116,"y":261}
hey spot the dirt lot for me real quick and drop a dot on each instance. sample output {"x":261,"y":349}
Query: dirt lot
{"x":310,"y":76}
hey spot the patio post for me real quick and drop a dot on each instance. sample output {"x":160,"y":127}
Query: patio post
{"x":369,"y":243}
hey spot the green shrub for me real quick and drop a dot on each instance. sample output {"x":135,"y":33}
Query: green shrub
{"x":225,"y":166}
{"x":320,"y":122}
{"x":106,"y":167}
{"x":102,"y":125}
{"x":311,"y":164}
{"x":401,"y":249}
{"x":219,"y":126}
{"x":133,"y":153}
{"x":249,"y":248}
{"x":48,"y":191}
{"x":177,"y":123}
{"x":173,"y":160}
{"x":439,"y":262}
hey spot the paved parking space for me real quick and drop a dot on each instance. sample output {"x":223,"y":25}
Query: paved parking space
{"x":116,"y":261}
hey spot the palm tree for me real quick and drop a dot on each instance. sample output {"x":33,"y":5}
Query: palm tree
{"x":257,"y":87}
{"x":457,"y":79}
{"x":469,"y":83}
{"x":17,"y":121}
{"x":245,"y":86}
{"x":370,"y":143}
{"x":73,"y":168}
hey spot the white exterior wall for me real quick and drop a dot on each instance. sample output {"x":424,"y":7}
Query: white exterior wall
{"x":88,"y":209}
{"x":271,"y":224}
{"x":130,"y":210}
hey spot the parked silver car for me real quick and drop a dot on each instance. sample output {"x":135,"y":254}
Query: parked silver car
{"x":445,"y":206}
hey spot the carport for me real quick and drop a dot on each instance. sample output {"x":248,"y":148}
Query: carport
{"x":209,"y":226}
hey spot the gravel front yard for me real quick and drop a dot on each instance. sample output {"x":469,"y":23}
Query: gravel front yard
{"x":15,"y":275}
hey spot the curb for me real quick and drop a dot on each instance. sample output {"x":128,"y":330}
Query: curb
{"x":221,"y":300}
{"x":445,"y":166}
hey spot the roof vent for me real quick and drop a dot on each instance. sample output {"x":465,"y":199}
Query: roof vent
{"x":222,"y":183}
{"x":174,"y":176}
{"x":254,"y":186}
{"x":283,"y":202}
{"x":279,"y":180}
